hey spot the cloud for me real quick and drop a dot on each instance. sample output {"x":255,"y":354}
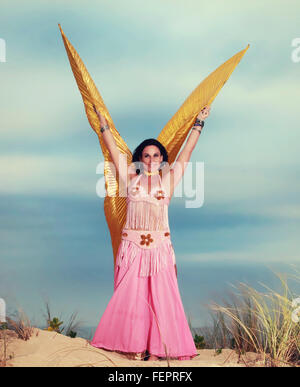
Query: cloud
{"x":48,"y":175}
{"x":146,"y":71}
{"x":278,"y":248}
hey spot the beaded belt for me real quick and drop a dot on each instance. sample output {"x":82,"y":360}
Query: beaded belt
{"x":155,"y":253}
{"x":146,"y":239}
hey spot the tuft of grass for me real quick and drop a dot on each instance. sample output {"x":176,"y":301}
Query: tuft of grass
{"x":216,"y":335}
{"x":261,"y":323}
{"x":17,"y":327}
{"x":54,"y":323}
{"x":20,"y":324}
{"x":199,"y":342}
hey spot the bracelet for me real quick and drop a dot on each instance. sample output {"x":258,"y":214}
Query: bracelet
{"x":199,"y":123}
{"x":198,"y":130}
{"x":103,"y":128}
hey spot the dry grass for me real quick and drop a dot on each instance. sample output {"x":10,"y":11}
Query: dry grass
{"x":20,"y":328}
{"x":216,"y":336}
{"x":21,"y":325}
{"x":72,"y":324}
{"x":17,"y":326}
{"x":6,"y":336}
{"x":261,"y":323}
{"x":3,"y":346}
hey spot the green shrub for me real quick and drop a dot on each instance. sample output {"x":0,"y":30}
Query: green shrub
{"x":199,"y":342}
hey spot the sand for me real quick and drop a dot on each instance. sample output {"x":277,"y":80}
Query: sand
{"x":50,"y":349}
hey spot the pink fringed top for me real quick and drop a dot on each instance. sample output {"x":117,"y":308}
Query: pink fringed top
{"x":147,"y":211}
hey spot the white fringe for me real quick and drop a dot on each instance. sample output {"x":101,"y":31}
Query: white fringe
{"x":153,"y":260}
{"x":144,"y":215}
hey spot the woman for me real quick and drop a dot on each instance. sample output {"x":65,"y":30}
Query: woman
{"x":145,"y":312}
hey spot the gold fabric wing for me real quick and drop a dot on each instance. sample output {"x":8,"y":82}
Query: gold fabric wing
{"x":114,"y":205}
{"x":175,"y":131}
{"x":172,"y":135}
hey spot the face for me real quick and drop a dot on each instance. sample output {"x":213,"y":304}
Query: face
{"x":151,"y":157}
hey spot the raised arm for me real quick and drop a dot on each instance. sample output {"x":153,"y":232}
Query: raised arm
{"x":178,"y":169}
{"x":118,"y":158}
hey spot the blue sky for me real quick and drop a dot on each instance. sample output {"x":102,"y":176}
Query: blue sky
{"x":145,"y":58}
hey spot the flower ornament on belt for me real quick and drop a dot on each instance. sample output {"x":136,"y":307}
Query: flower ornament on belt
{"x":146,"y":239}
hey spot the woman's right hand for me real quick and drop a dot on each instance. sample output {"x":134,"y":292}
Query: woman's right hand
{"x":100,"y":116}
{"x":204,"y":113}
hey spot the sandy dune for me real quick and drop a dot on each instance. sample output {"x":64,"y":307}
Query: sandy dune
{"x":49,"y":349}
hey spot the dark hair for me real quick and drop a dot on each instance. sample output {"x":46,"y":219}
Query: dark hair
{"x":139,"y":151}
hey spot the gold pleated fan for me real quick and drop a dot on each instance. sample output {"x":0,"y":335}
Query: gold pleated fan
{"x":172,"y":135}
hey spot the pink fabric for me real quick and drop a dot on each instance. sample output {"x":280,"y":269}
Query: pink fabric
{"x":138,"y":306}
{"x":146,"y":311}
{"x":153,"y":259}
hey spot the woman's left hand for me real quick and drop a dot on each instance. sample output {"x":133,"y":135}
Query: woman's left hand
{"x":204,"y":113}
